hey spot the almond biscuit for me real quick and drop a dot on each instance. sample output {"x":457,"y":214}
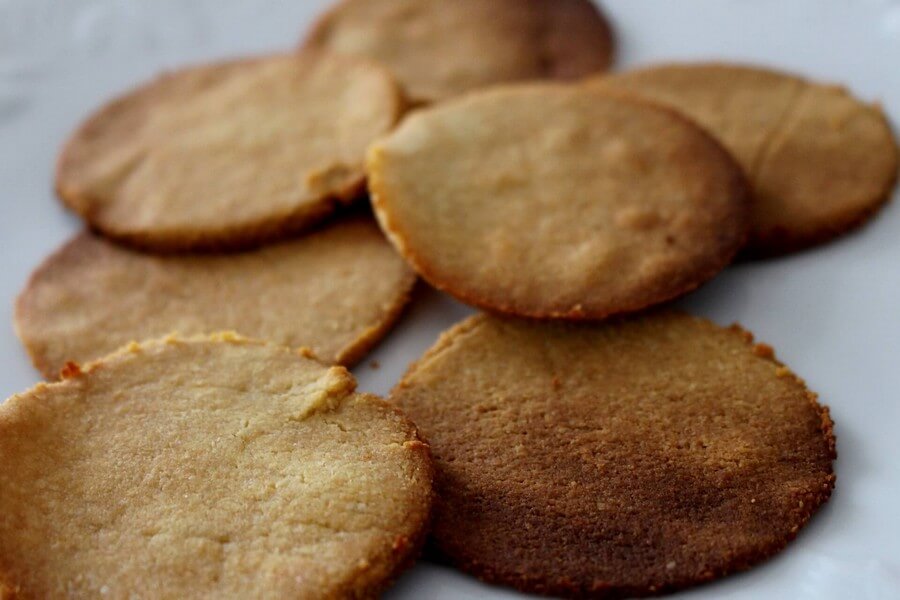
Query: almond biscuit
{"x":207,"y":467}
{"x":336,"y":291}
{"x":605,"y":461}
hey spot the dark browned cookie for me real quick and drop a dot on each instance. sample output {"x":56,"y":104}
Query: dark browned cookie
{"x":438,"y":48}
{"x":821,"y":161}
{"x":558,"y":201}
{"x":229,"y":155}
{"x":625,"y":459}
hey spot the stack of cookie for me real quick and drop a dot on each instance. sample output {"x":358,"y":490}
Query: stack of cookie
{"x":577,"y":438}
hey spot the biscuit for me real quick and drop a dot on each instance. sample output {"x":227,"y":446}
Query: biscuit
{"x":548,"y":200}
{"x":438,"y":49}
{"x":337,"y":291}
{"x":615,"y":460}
{"x":228,"y":155}
{"x":820,"y":160}
{"x":207,"y":468}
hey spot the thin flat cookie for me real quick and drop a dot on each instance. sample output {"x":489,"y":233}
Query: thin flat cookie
{"x":821,"y":161}
{"x":438,"y":49}
{"x":547,"y":200}
{"x":228,"y":155}
{"x":207,"y":468}
{"x":337,"y":291}
{"x":625,"y":459}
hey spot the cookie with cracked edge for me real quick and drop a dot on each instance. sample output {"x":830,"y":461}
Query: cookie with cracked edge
{"x":207,"y":467}
{"x":229,"y":155}
{"x":337,"y":291}
{"x":631,"y":458}
{"x":822,"y":162}
{"x":438,"y":49}
{"x":558,"y":201}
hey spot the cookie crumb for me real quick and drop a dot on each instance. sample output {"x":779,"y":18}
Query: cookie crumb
{"x":764,"y":351}
{"x":70,"y":370}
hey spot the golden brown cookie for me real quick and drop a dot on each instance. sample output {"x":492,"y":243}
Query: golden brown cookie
{"x":439,"y":49}
{"x":548,"y":200}
{"x":616,"y":460}
{"x":207,"y":468}
{"x":228,"y":155}
{"x":337,"y":291}
{"x":820,"y":160}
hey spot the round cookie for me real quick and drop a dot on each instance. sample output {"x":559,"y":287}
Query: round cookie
{"x":438,"y":49}
{"x":559,"y":201}
{"x":820,"y":160}
{"x":337,"y":291}
{"x":615,"y":460}
{"x":207,"y":468}
{"x":228,"y":155}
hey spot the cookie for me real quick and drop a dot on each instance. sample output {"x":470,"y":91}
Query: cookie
{"x":336,"y":291}
{"x":438,"y":49}
{"x":821,"y":161}
{"x":228,"y":155}
{"x":547,"y":200}
{"x":207,"y":468}
{"x":615,"y":460}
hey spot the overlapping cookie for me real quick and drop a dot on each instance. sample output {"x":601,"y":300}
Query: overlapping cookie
{"x":228,"y":155}
{"x":438,"y":49}
{"x":207,"y":468}
{"x":617,"y":460}
{"x":337,"y":291}
{"x":821,"y":161}
{"x":547,"y":200}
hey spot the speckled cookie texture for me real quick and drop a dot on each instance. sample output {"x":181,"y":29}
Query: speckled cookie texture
{"x":438,"y":49}
{"x":625,"y":459}
{"x":337,"y":291}
{"x":821,"y":161}
{"x":547,"y":200}
{"x":228,"y":155}
{"x":207,"y":468}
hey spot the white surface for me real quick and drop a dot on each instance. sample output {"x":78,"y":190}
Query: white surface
{"x":831,"y":313}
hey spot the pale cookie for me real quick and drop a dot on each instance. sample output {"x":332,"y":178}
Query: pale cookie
{"x":548,"y":200}
{"x":337,"y":291}
{"x":439,"y":49}
{"x":207,"y":468}
{"x":231,"y":154}
{"x":618,"y":460}
{"x":820,"y":160}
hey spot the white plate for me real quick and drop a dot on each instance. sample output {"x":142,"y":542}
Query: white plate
{"x":833,"y":313}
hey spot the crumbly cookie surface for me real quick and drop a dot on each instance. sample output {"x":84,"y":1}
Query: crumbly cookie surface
{"x":231,"y":154}
{"x":546,"y":200}
{"x":207,"y":468}
{"x":336,"y":291}
{"x":820,"y":160}
{"x":617,"y":460}
{"x":439,"y":49}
